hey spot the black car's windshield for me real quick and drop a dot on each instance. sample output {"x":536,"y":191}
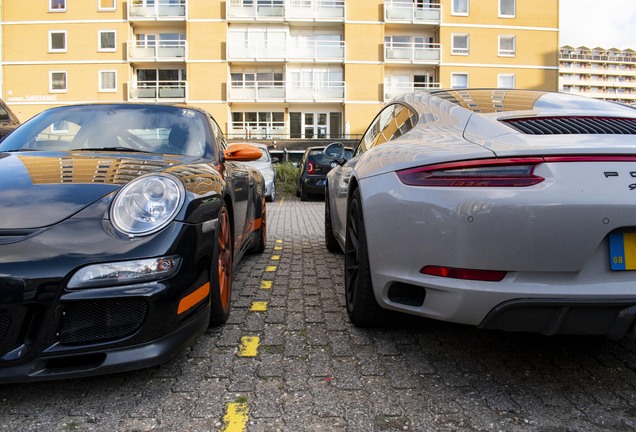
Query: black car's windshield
{"x":141,"y":128}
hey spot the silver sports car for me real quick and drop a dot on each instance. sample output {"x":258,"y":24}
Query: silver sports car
{"x":503,"y":209}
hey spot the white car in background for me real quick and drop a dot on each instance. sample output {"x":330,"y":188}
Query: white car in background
{"x":502,"y":209}
{"x":266,"y":166}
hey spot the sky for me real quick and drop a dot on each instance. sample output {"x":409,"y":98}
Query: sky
{"x":594,"y":23}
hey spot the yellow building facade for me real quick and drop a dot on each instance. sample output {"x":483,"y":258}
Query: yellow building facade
{"x":271,"y":69}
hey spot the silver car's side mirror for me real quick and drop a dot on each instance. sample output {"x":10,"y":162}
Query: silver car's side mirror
{"x":336,"y":152}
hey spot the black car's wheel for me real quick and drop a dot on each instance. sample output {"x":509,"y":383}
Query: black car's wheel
{"x":221,"y":273}
{"x":304,"y":196}
{"x":262,"y":231}
{"x":272,"y":196}
{"x":362,"y":308}
{"x":330,"y":239}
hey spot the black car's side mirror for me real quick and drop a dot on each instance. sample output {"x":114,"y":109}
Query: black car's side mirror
{"x":336,"y":152}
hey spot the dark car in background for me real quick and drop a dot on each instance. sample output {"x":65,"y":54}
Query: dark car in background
{"x":8,"y":120}
{"x":314,"y":167}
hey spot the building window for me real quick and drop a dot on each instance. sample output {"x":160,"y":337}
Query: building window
{"x":57,"y":41}
{"x":57,"y":82}
{"x":506,"y":81}
{"x":106,"y":5}
{"x":507,"y":46}
{"x":459,"y":80}
{"x":57,"y":5}
{"x":107,"y":40}
{"x":108,"y":81}
{"x":258,"y":124}
{"x":460,"y":7}
{"x":460,"y":44}
{"x":507,"y":8}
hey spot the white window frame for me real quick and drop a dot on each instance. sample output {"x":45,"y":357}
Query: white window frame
{"x":460,"y":51}
{"x":508,"y":76}
{"x":514,"y":9}
{"x":102,"y":89}
{"x":54,"y":9}
{"x":58,"y":50}
{"x":460,"y":13}
{"x":507,"y":53}
{"x":100,"y":48}
{"x":111,"y":8}
{"x":51,"y":89}
{"x":454,"y":74}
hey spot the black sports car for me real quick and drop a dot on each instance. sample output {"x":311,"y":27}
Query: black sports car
{"x":120,"y":226}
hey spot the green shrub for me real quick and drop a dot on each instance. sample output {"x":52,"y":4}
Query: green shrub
{"x":286,"y":177}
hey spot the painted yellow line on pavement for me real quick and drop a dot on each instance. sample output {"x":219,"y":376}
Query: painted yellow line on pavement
{"x":279,"y":242}
{"x":249,"y":346}
{"x":258,"y":306}
{"x":266,"y":284}
{"x":270,"y":268}
{"x":280,"y":203}
{"x":278,"y":248}
{"x":235,"y":418}
{"x":275,"y":257}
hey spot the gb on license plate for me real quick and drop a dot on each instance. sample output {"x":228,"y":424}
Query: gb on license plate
{"x":623,"y":250}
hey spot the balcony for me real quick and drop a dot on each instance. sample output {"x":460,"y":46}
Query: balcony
{"x":320,"y":91}
{"x":164,"y":91}
{"x":288,"y":10}
{"x":159,"y":10}
{"x":406,"y":11}
{"x":163,"y":51}
{"x":258,"y":50}
{"x":395,"y":89}
{"x":257,"y":91}
{"x":260,"y":91}
{"x":415,"y":52}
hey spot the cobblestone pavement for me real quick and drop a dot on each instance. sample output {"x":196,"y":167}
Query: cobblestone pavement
{"x":313,"y":371}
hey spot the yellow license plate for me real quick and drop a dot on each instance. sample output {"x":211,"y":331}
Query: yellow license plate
{"x":623,"y":250}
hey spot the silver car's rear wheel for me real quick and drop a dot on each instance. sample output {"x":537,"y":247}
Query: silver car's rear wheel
{"x":362,"y":308}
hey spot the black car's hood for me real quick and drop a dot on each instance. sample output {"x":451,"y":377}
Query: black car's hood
{"x":38,"y":189}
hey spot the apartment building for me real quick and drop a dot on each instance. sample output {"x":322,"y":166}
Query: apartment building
{"x":271,"y":69}
{"x":600,"y":73}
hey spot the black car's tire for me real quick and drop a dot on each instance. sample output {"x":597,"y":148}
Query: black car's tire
{"x":262,"y":231}
{"x":221,"y":272}
{"x":330,"y":239}
{"x":272,"y":195}
{"x":304,"y":196}
{"x":362,"y":308}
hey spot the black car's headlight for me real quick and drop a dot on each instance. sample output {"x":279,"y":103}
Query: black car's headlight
{"x":147,"y":204}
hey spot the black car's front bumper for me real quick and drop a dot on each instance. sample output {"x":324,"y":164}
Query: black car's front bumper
{"x":48,"y":331}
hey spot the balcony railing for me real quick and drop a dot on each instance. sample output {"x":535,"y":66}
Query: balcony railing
{"x":392,"y":90}
{"x":162,"y":51}
{"x":278,"y":91}
{"x":158,"y":90}
{"x":603,"y":57}
{"x":408,"y":11}
{"x":421,"y":53}
{"x":316,"y":51}
{"x":286,"y":10}
{"x":157,"y":10}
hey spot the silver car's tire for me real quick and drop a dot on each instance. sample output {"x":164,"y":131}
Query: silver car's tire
{"x":330,"y":240}
{"x":272,"y":196}
{"x":362,"y":308}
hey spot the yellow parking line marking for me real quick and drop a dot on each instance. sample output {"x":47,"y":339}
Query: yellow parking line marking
{"x":236,"y":417}
{"x":280,"y":203}
{"x":278,"y":248}
{"x":249,"y":346}
{"x":270,"y":268}
{"x":279,"y":242}
{"x":258,"y":306}
{"x":265,"y":284}
{"x":275,"y":257}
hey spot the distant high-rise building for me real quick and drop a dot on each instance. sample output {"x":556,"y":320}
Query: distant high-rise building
{"x":601,"y":73}
{"x":271,"y":68}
